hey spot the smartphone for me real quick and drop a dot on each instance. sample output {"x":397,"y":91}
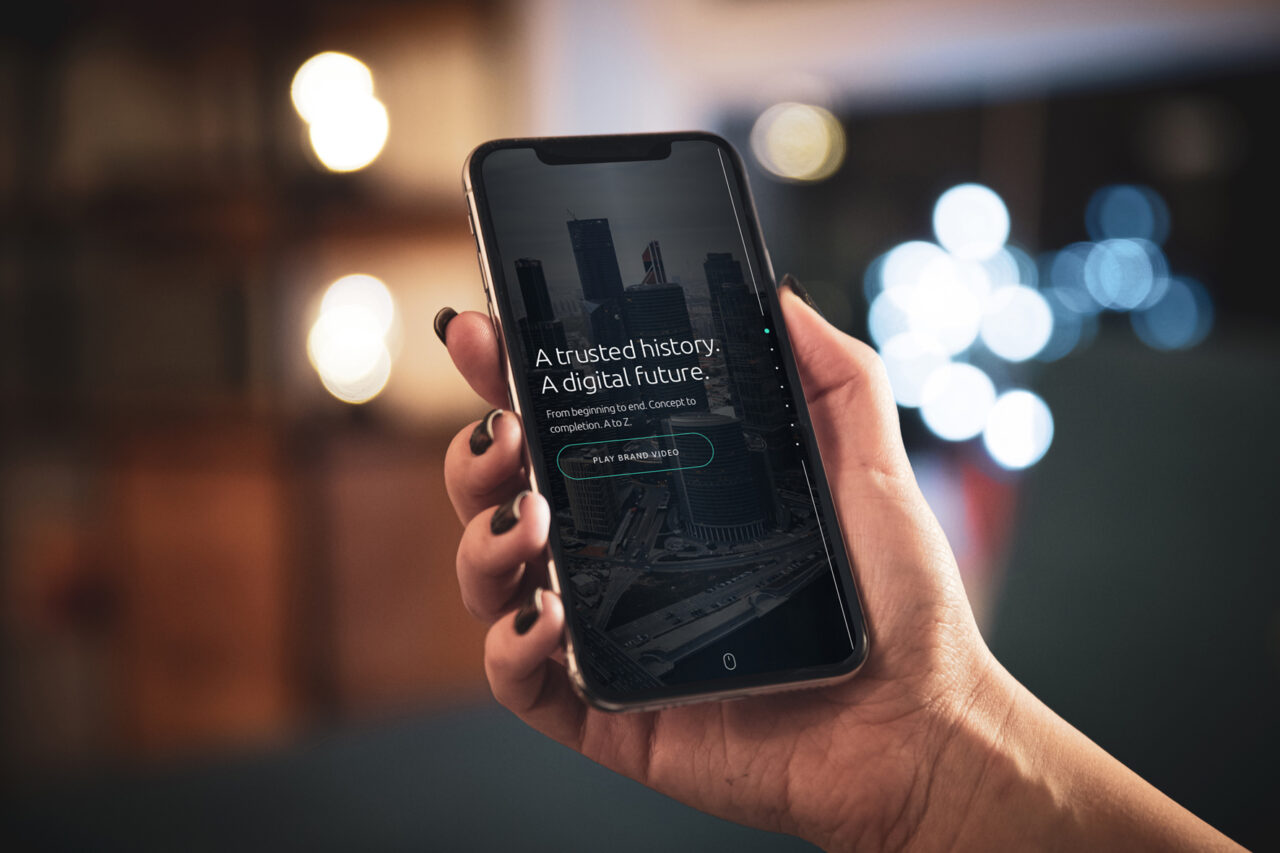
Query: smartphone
{"x":693,"y":540}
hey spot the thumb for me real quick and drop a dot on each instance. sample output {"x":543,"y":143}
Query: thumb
{"x":847,"y":389}
{"x":902,"y":557}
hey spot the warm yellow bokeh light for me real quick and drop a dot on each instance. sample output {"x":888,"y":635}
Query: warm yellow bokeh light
{"x":352,"y":140}
{"x":798,"y":142}
{"x":327,"y":82}
{"x":333,"y":92}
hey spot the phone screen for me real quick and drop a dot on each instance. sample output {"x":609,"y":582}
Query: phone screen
{"x":694,"y":543}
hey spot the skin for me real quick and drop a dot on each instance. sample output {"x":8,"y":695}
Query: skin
{"x":933,"y":745}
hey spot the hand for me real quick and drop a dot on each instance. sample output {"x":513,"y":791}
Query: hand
{"x":909,"y":753}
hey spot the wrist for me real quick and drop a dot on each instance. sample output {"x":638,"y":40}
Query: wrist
{"x":1015,"y":775}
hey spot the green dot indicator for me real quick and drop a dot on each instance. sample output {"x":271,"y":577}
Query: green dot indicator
{"x":766,"y":331}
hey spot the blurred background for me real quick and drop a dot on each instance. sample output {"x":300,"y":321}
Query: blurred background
{"x":229,"y":614}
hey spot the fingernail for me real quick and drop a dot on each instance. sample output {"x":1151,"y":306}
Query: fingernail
{"x":507,"y":515}
{"x":797,"y":288}
{"x":529,"y":613}
{"x":482,"y":435}
{"x":443,"y":317}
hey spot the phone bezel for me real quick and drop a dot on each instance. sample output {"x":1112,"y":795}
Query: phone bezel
{"x":567,"y":150}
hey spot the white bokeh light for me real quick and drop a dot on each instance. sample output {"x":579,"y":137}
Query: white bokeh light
{"x":910,"y":359}
{"x":363,"y":388}
{"x":1017,"y":323}
{"x":366,"y":291}
{"x":1002,"y":269}
{"x":1019,"y":430}
{"x":348,"y":344}
{"x":905,"y":263}
{"x":955,"y":401}
{"x":971,"y":221}
{"x":887,"y":316}
{"x":945,"y":303}
{"x":350,"y":140}
{"x":327,"y":82}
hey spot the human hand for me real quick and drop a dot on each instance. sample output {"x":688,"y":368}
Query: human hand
{"x":841,"y":762}
{"x":931,"y":745}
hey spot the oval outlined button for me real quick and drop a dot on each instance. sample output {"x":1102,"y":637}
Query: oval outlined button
{"x":730,"y":662}
{"x":597,"y":460}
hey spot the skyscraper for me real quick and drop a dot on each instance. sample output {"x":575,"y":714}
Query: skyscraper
{"x":593,"y":501}
{"x":655,"y":271}
{"x":720,"y":268}
{"x":724,"y":501}
{"x":533,"y":289}
{"x":597,"y":261}
{"x":753,"y":377}
{"x":659,"y":311}
{"x":540,"y":330}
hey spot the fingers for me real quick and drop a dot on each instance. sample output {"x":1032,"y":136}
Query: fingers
{"x":473,"y":346}
{"x":495,"y":549}
{"x":847,"y":389}
{"x":484,"y":464}
{"x":522,"y":676}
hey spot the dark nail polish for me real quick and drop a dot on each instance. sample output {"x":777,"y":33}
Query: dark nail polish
{"x":529,"y":613}
{"x":443,"y":318}
{"x":482,"y":435}
{"x":797,"y":288}
{"x":507,"y":515}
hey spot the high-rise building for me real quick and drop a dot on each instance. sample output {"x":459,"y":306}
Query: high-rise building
{"x":539,"y":328}
{"x":753,"y":375}
{"x":593,"y":502}
{"x":597,"y":260}
{"x":658,"y":312}
{"x":723,"y":501}
{"x":533,"y":290}
{"x":655,"y":271}
{"x":720,"y":268}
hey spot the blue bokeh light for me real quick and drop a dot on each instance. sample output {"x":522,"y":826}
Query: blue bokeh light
{"x":1180,"y":320}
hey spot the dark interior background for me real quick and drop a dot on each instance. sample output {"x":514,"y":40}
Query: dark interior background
{"x":229,"y":610}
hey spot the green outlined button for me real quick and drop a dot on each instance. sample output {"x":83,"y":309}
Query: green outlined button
{"x":596,"y":460}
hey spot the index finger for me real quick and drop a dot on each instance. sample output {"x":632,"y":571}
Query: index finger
{"x":473,"y":346}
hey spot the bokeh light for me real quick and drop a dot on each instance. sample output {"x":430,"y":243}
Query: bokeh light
{"x":905,"y":263}
{"x":1071,"y":329}
{"x":1121,"y":273}
{"x":1002,"y":269}
{"x":353,"y":140}
{"x":910,"y":359}
{"x":945,"y":303}
{"x":971,"y":221}
{"x":955,"y":401}
{"x":1019,"y":429}
{"x":887,"y":316}
{"x":1066,"y":274}
{"x":365,"y":291}
{"x":1179,"y":320}
{"x":798,"y":142}
{"x":348,"y":343}
{"x":327,"y":82}
{"x":348,"y":126}
{"x":1017,"y":323}
{"x":1127,"y":211}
